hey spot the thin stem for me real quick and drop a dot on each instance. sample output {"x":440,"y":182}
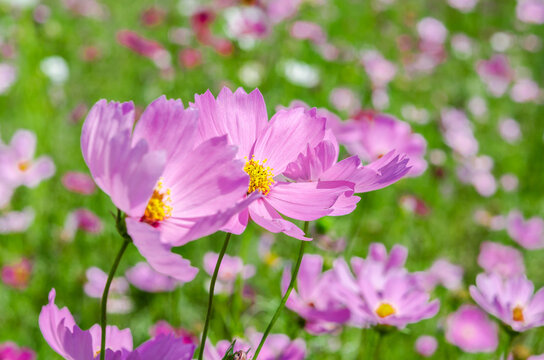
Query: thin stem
{"x":364,"y":338}
{"x":103,"y":315}
{"x":377,"y":349}
{"x":287,"y":293}
{"x":210,"y":299}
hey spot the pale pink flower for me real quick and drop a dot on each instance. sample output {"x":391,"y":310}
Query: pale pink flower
{"x":503,"y":260}
{"x":16,"y":221}
{"x":231,"y":267}
{"x":143,"y":277}
{"x":426,"y":345}
{"x":17,"y":275}
{"x":78,"y":182}
{"x":525,"y":90}
{"x":470,"y":329}
{"x":527,"y":233}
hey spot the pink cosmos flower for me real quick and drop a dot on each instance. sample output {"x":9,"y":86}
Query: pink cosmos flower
{"x":268,"y":147}
{"x":510,"y":130}
{"x":145,"y":47}
{"x":276,"y":347}
{"x":313,"y":300}
{"x":477,"y":171}
{"x":525,"y":90}
{"x":10,"y":351}
{"x":442,"y":272}
{"x":380,"y":70}
{"x":8,"y":75}
{"x":152,"y":16}
{"x":17,"y":163}
{"x":78,"y":182}
{"x":372,"y":135}
{"x":164,"y":328}
{"x":118,"y":302}
{"x":247,"y":23}
{"x":321,"y":165}
{"x":190,"y":58}
{"x":536,"y":357}
{"x":172,"y":188}
{"x":16,"y":221}
{"x":426,"y":345}
{"x":458,"y":132}
{"x":17,"y":275}
{"x":511,"y":300}
{"x":503,"y":260}
{"x":527,"y":233}
{"x":342,"y":99}
{"x":146,"y":279}
{"x":81,"y":219}
{"x":231,"y":267}
{"x":432,"y":30}
{"x":306,"y":30}
{"x":66,"y":338}
{"x":470,"y":329}
{"x":382,"y":291}
{"x":414,"y":205}
{"x":530,"y":11}
{"x":496,"y":73}
{"x":280,"y":10}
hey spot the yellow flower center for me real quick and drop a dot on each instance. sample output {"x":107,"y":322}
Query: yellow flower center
{"x":517,"y":314}
{"x":21,"y":274}
{"x":23,"y":165}
{"x":385,"y":310}
{"x":157,"y":208}
{"x":260,"y":176}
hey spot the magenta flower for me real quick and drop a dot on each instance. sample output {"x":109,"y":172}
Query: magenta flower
{"x":140,"y":45}
{"x":321,"y":165}
{"x":382,"y":292}
{"x":503,"y":260}
{"x":276,"y":347}
{"x":231,"y":267}
{"x":164,"y":328}
{"x":470,"y":329}
{"x":8,"y":75}
{"x":16,"y":221}
{"x":78,"y":182}
{"x":458,"y":132}
{"x":118,"y":301}
{"x":10,"y":351}
{"x":267,"y":149}
{"x":496,"y":74}
{"x":426,"y":345}
{"x":17,"y":163}
{"x":172,"y":188}
{"x":80,"y":219}
{"x":442,"y":272}
{"x":69,"y":341}
{"x":527,"y":233}
{"x":530,"y":11}
{"x":313,"y":300}
{"x":17,"y":275}
{"x":511,"y":300}
{"x":372,"y":136}
{"x":143,"y":277}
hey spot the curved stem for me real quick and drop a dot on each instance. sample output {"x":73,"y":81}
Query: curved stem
{"x":103,"y":315}
{"x":210,"y":299}
{"x":287,"y":293}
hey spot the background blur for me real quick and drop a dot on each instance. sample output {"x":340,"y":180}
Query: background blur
{"x":57,"y":58}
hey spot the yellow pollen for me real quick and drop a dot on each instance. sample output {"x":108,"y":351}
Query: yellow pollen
{"x":260,"y":177}
{"x":517,"y":314}
{"x":23,"y":165}
{"x":157,"y":208}
{"x":385,"y":310}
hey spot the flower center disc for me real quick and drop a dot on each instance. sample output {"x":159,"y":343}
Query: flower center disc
{"x":157,"y":208}
{"x":517,"y":314}
{"x":260,"y":176}
{"x":385,"y":310}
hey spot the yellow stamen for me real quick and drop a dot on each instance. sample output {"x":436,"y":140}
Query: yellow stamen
{"x":260,"y":177}
{"x":517,"y":314}
{"x":157,"y":208}
{"x":385,"y":310}
{"x":23,"y":165}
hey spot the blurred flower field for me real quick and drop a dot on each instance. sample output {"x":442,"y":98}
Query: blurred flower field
{"x":433,"y":108}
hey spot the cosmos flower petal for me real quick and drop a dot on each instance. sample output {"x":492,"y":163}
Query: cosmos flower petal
{"x":264,"y":215}
{"x":287,"y":135}
{"x":240,"y":115}
{"x":147,"y":240}
{"x":305,"y":201}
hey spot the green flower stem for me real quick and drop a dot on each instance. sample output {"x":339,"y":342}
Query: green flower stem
{"x":287,"y":293}
{"x":210,"y":299}
{"x":377,"y":349}
{"x":121,"y":228}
